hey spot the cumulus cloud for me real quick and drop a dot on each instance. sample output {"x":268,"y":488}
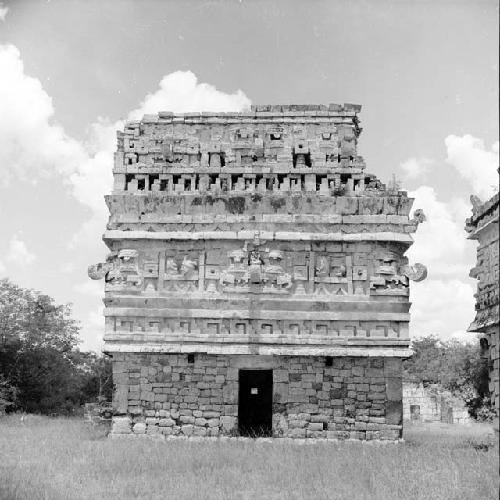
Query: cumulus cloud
{"x":442,"y":307}
{"x":441,"y":242}
{"x":90,"y":288}
{"x":18,"y":252}
{"x":443,"y":304}
{"x":180,"y":92}
{"x":30,"y":145}
{"x":474,"y":163}
{"x":93,"y":330}
{"x":34,"y":145}
{"x":415,"y":168}
{"x":3,"y":11}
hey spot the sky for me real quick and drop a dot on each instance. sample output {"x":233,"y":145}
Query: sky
{"x":71,"y":72}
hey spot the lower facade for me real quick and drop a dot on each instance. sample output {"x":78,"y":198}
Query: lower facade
{"x":258,"y":395}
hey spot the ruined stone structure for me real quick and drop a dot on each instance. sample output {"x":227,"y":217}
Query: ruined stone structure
{"x":432,"y":404}
{"x":483,"y":227}
{"x":257,"y":283}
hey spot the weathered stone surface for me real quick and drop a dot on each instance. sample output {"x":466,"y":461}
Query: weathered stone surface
{"x":483,"y":227}
{"x":302,"y":408}
{"x":433,"y":404}
{"x":255,"y":241}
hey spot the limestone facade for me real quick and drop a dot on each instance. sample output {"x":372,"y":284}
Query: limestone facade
{"x":256,"y":241}
{"x":483,"y":227}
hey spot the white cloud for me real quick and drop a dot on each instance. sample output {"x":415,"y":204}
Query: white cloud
{"x":92,"y":331}
{"x":2,"y":268}
{"x":474,"y":163}
{"x":18,"y":252}
{"x":441,"y":242}
{"x":3,"y":11}
{"x":441,"y":307}
{"x":68,"y":268}
{"x":32,"y":144}
{"x":180,"y":92}
{"x":415,"y":168}
{"x":90,"y":288}
{"x":443,"y":304}
{"x":465,"y":337}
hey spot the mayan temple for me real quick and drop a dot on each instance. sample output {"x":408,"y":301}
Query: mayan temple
{"x":256,"y":283}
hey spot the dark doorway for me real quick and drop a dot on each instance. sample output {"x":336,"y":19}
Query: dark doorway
{"x":415,"y":412}
{"x":255,"y":403}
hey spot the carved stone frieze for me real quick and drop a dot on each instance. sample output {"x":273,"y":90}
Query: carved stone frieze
{"x":255,"y":270}
{"x":120,"y":271}
{"x":418,"y":216}
{"x":418,"y":272}
{"x":229,"y":328}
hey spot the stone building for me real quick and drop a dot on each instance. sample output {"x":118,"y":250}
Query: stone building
{"x":483,"y":227}
{"x":432,"y":404}
{"x":257,"y":283}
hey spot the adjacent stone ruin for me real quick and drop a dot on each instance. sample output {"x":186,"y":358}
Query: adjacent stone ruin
{"x":432,"y":403}
{"x":483,"y":227}
{"x":257,"y":283}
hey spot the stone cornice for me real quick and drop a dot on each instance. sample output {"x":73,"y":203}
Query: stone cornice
{"x":261,"y":314}
{"x":274,"y":350}
{"x":249,"y":235}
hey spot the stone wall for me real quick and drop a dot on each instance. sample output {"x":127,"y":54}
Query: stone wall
{"x":432,"y":404}
{"x":354,"y":398}
{"x":256,"y":240}
{"x":483,"y":227}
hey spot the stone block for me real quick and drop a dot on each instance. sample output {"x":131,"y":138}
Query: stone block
{"x":121,"y":425}
{"x":280,"y":393}
{"x":166,"y":422}
{"x":393,"y":367}
{"x":280,"y":376}
{"x":187,"y":430}
{"x":213,"y":422}
{"x":120,"y":399}
{"x":297,"y":433}
{"x":211,"y":414}
{"x":394,"y":389}
{"x":228,"y":423}
{"x":139,"y":428}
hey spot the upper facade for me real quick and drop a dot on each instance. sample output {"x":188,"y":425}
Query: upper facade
{"x":483,"y":227}
{"x":255,"y":232}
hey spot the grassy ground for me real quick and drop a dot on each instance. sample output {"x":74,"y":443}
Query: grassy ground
{"x":42,"y":458}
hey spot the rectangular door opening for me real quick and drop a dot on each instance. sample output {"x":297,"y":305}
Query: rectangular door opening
{"x":255,"y":403}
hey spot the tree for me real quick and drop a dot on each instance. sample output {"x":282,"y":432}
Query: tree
{"x":7,"y":395}
{"x":457,"y":367}
{"x":39,"y":359}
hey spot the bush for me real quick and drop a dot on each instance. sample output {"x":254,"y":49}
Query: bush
{"x":41,"y":368}
{"x":457,"y":367}
{"x":7,"y":395}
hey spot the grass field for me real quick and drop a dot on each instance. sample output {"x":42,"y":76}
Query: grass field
{"x":44,"y":458}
